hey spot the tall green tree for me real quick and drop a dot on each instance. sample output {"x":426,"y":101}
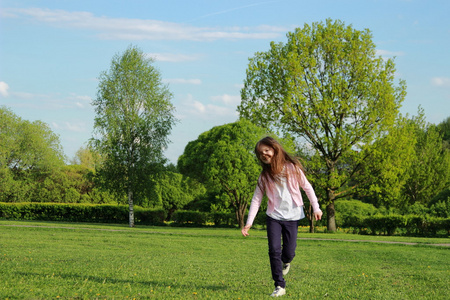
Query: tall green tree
{"x":223,"y":159}
{"x":29,"y":152}
{"x":429,"y":173}
{"x":384,"y":167}
{"x":326,"y":85}
{"x":133,"y":121}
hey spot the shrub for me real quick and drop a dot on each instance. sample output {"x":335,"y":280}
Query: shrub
{"x":441,"y":208}
{"x":386,"y":224}
{"x":441,"y":197}
{"x":197,"y":218}
{"x":430,"y":226}
{"x":350,"y":213}
{"x":223,"y":218}
{"x":417,"y":209}
{"x":146,"y":216}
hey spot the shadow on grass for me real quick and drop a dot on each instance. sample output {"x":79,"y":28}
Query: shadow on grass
{"x":163,"y":283}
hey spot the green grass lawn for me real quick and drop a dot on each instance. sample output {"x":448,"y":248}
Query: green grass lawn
{"x":42,"y":260}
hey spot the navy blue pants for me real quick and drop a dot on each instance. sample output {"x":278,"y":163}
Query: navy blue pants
{"x":278,"y":253}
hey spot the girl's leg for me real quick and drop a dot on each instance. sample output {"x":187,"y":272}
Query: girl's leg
{"x":289,"y":233}
{"x":274,"y":229}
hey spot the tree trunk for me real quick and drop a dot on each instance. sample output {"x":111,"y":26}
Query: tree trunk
{"x":240,"y":218}
{"x":240,"y":214}
{"x":311,"y":219}
{"x":331,"y":218}
{"x":170,"y":213}
{"x":130,"y":207}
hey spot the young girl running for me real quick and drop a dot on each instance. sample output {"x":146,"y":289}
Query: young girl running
{"x":280,"y":179}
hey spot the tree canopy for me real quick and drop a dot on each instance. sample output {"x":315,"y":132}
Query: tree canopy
{"x":29,"y":151}
{"x":326,"y":85}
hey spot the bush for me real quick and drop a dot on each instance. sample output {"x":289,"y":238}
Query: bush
{"x":443,"y":196}
{"x":417,"y":209}
{"x":384,"y":224}
{"x":428,"y":225}
{"x":223,"y":218}
{"x":351,"y":213}
{"x":440,"y":204}
{"x":147,"y":216}
{"x":197,"y":218}
{"x":412,"y":225}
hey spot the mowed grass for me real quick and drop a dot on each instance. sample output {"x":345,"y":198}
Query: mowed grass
{"x":81,"y":261}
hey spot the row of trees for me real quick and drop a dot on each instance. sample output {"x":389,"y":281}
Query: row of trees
{"x":323,"y":93}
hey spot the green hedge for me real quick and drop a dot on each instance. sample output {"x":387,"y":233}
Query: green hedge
{"x":101,"y":213}
{"x":384,"y":224}
{"x":416,"y":225}
{"x":188,"y":217}
{"x":223,"y":219}
{"x":406,"y":224}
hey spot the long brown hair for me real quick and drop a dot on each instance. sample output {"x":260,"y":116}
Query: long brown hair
{"x":274,"y":171}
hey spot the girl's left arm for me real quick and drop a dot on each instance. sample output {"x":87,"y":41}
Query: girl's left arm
{"x":307,"y":187}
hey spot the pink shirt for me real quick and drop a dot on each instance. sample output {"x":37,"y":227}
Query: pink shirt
{"x":274,"y":201}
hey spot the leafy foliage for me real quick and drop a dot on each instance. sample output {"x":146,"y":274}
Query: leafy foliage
{"x":444,"y":129}
{"x":87,"y":157}
{"x":429,"y":173}
{"x":29,"y":152}
{"x":385,"y":166}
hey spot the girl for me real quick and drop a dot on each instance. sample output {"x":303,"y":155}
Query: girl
{"x":280,"y":179}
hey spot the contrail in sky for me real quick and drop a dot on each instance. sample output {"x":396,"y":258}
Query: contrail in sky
{"x":232,"y":9}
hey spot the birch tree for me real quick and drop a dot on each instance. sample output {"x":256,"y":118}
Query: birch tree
{"x":134,"y":116}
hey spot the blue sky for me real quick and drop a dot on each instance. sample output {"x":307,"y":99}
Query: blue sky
{"x":52,"y":52}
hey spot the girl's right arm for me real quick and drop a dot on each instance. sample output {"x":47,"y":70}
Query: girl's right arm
{"x":254,"y":207}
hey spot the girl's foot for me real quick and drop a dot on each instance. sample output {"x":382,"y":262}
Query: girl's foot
{"x":279,"y":291}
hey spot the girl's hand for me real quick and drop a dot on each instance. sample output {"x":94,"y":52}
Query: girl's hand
{"x":245,"y":230}
{"x":318,"y":215}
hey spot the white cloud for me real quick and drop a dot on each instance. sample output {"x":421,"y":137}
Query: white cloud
{"x":79,"y":100}
{"x":182,"y":81}
{"x":386,"y":53}
{"x":70,"y":126}
{"x":75,"y":127}
{"x":170,"y":57}
{"x":4,"y":87}
{"x":199,"y":107}
{"x":27,"y":96}
{"x":140,"y":29}
{"x":48,"y":101}
{"x":441,"y":81}
{"x":227,"y":99}
{"x":192,"y":108}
